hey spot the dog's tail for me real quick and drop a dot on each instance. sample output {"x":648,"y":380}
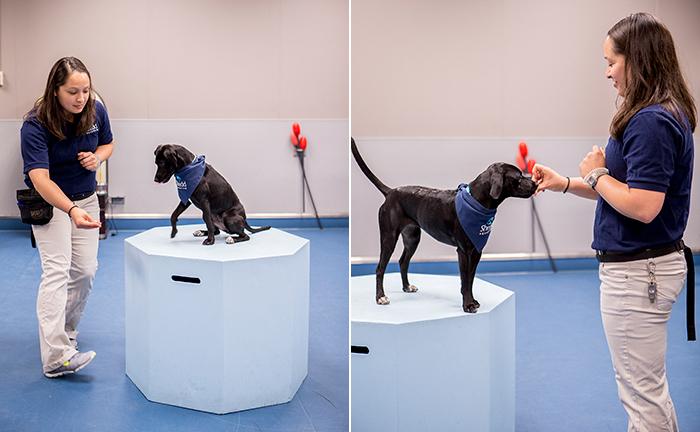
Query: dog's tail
{"x":255,"y":230}
{"x":384,"y":189}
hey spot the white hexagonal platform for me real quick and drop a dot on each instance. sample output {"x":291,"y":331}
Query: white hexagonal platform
{"x":423,"y":364}
{"x":218,"y":328}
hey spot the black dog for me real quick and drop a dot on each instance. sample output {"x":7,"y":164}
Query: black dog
{"x":407,"y":209}
{"x":221,"y":208}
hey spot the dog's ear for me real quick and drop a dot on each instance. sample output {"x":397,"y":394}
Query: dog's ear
{"x":180,"y":159}
{"x":155,"y":153}
{"x":169,"y":155}
{"x":496,"y":184}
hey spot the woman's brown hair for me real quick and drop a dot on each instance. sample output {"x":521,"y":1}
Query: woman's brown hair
{"x":49,"y":111}
{"x":652,"y":71}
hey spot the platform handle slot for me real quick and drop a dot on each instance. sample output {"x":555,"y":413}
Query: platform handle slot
{"x":186,"y":279}
{"x":359,"y":349}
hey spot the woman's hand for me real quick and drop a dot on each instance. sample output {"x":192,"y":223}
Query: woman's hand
{"x":89,"y":160}
{"x":594,"y":159}
{"x":547,"y":179}
{"x":82,"y":219}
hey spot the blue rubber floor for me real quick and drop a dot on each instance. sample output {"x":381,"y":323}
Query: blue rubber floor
{"x":564,"y":376}
{"x":102,"y":398}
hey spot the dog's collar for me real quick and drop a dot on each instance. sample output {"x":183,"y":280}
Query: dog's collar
{"x":473,"y":202}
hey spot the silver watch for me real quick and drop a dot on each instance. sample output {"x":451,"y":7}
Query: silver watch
{"x":592,"y":177}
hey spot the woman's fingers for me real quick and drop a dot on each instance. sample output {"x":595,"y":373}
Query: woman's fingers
{"x":82,"y":219}
{"x":88,"y":160}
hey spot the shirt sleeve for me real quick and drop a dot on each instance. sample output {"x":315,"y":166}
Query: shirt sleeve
{"x":34,"y":143}
{"x":649,"y":149}
{"x":105,"y":129}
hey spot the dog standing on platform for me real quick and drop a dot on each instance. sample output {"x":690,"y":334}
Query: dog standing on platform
{"x":408,"y":209}
{"x":210,"y":192}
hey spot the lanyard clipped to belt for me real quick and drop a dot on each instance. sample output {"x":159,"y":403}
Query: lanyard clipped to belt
{"x":690,"y":294}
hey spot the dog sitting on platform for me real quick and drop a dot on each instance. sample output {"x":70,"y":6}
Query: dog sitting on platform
{"x":199,"y":183}
{"x":459,"y":217}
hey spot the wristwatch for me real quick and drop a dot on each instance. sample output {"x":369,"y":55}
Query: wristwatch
{"x":592,"y":177}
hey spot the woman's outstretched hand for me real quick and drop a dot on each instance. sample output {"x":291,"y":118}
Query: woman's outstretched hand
{"x":82,"y":219}
{"x":547,"y":179}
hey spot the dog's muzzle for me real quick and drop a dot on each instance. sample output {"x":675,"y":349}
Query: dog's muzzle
{"x":527,"y":188}
{"x":161,"y":179}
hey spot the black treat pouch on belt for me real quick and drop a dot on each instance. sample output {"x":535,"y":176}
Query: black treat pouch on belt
{"x":33,"y":209}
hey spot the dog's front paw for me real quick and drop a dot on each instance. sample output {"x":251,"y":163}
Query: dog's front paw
{"x":208,"y":241}
{"x":230,"y":240}
{"x":383,"y":300}
{"x":410,"y":289}
{"x":173,"y":232}
{"x":471,"y":307}
{"x":199,"y":233}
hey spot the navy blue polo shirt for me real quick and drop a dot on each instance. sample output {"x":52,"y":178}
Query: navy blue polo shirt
{"x":40,"y":149}
{"x":656,"y":154}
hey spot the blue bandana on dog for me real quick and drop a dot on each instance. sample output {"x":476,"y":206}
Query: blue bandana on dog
{"x":187,"y":179}
{"x":475,"y":219}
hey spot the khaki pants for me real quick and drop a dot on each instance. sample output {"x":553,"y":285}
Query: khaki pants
{"x":68,"y":264}
{"x":636,"y":332}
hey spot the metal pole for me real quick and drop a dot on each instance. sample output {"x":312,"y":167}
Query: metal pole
{"x":306,"y":181}
{"x":546,"y":244}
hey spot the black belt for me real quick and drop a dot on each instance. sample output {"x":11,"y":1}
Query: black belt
{"x":80,"y":196}
{"x":607,"y":256}
{"x":604,"y":256}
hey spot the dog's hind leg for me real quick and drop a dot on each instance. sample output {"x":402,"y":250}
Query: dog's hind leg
{"x":411,"y":237}
{"x":388,"y":236}
{"x":234,"y":225}
{"x":467,"y":270}
{"x":205,"y":233}
{"x":237,"y":239}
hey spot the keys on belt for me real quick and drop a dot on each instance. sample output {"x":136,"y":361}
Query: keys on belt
{"x":651,"y":289}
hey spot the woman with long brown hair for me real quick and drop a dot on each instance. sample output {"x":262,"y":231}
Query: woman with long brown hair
{"x":642,"y":184}
{"x":64,"y":138}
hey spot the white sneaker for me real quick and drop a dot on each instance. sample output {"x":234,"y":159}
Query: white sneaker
{"x":77,"y":362}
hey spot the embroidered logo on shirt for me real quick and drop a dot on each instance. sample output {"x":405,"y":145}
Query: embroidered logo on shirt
{"x":93,"y":129}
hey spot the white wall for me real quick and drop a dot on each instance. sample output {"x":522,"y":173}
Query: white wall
{"x":444,"y":163}
{"x":224,"y":78}
{"x":510,"y":68}
{"x":253,"y":155}
{"x":442,"y":89}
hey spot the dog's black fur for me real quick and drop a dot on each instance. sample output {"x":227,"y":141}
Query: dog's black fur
{"x":221,"y":208}
{"x":407,"y":209}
